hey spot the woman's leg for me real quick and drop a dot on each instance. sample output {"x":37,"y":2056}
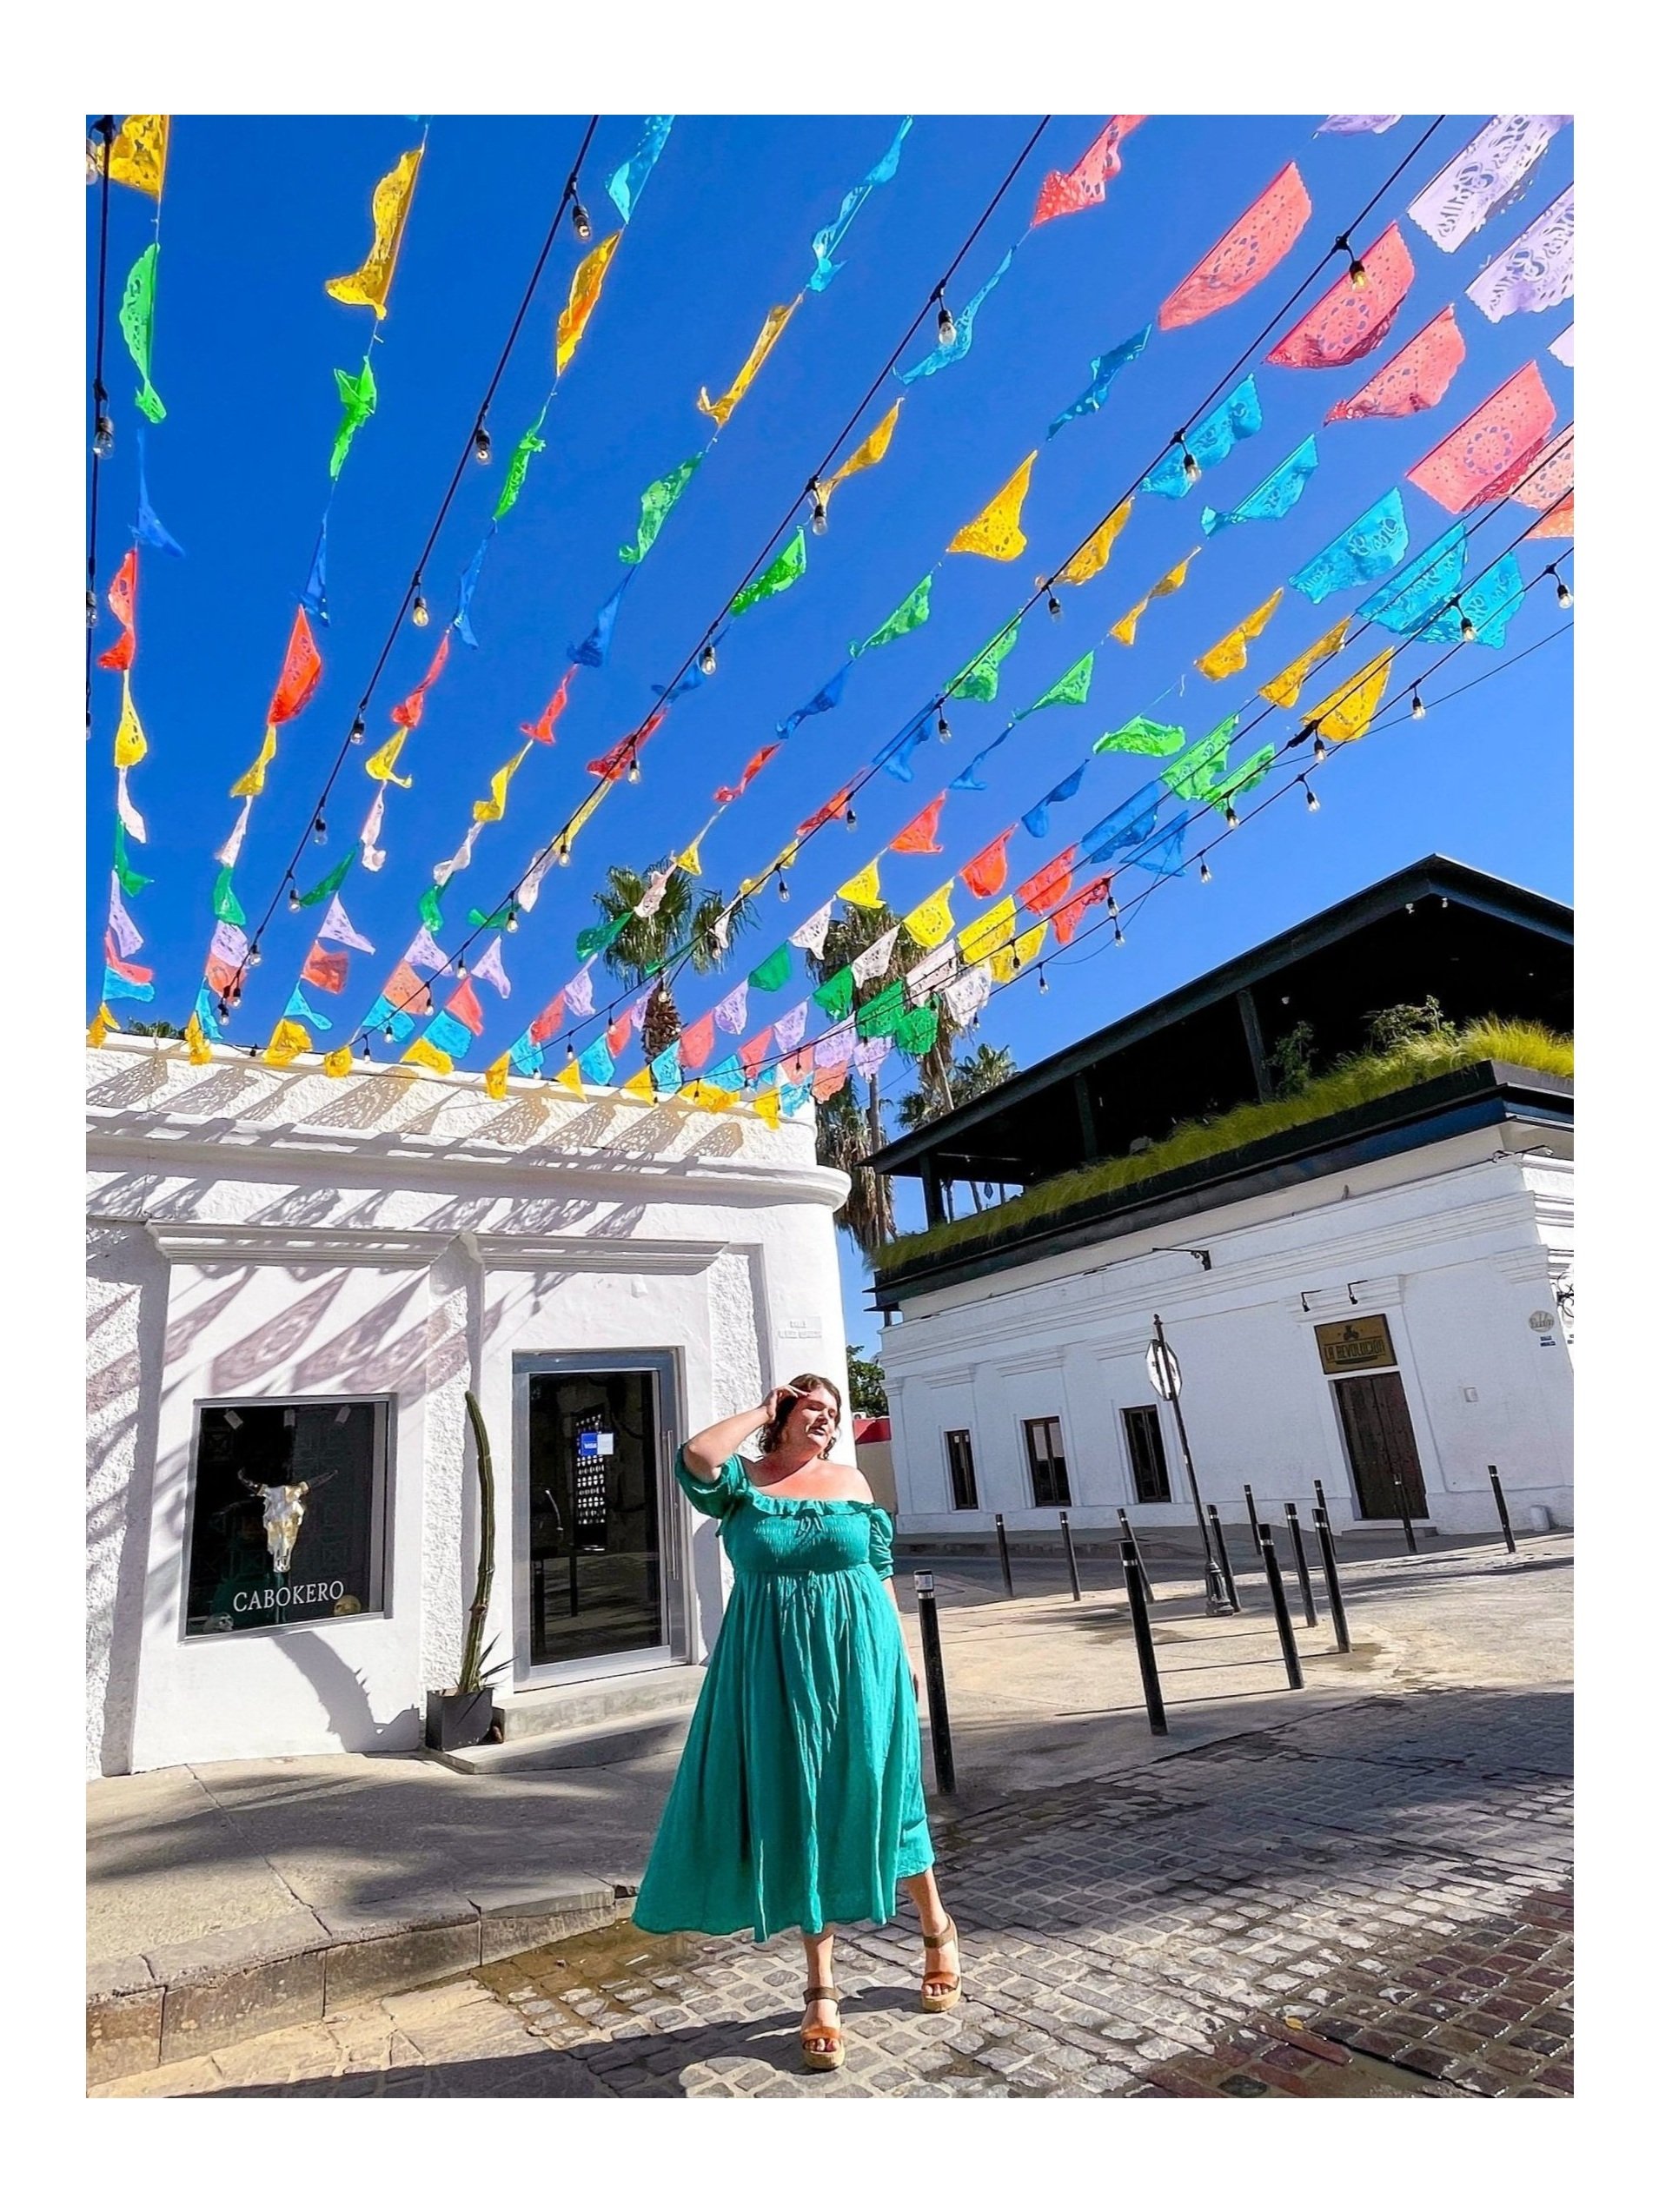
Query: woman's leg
{"x":821,"y":2012}
{"x":923,"y":1892}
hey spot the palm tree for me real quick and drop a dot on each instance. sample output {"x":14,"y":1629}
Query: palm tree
{"x":984,"y":1068}
{"x":684,"y":922}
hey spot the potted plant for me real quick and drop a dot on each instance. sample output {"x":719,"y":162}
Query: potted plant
{"x":458,"y":1718}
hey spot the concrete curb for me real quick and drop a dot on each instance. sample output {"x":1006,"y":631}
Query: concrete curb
{"x":186,"y":2000}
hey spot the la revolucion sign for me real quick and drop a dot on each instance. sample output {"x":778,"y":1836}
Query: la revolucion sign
{"x":296,"y":1593}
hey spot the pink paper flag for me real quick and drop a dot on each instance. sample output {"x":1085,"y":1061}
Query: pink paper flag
{"x":1353,"y":316}
{"x":1504,"y":434}
{"x":1417,"y":377}
{"x":1252,"y":249}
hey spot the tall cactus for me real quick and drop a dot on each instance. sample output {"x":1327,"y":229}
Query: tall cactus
{"x":473,"y":1654}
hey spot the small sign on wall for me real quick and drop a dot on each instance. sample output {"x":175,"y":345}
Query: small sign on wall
{"x":1364,"y":1342}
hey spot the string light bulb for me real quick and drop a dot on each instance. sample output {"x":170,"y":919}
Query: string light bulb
{"x":1419,"y":712}
{"x":359,"y":730}
{"x":292,"y":898}
{"x":1112,"y":905}
{"x":1357,"y":275}
{"x":1320,"y":749}
{"x":1232,"y":816}
{"x":482,"y":446}
{"x":91,"y":609}
{"x":1118,"y":937}
{"x":820,"y":508}
{"x":944,"y":728}
{"x":946,"y":320}
{"x":1054,"y":607}
{"x":419,"y":614}
{"x":320,"y":830}
{"x":512,"y":916}
{"x":706,"y":659}
{"x":364,"y":1053}
{"x":783,"y":891}
{"x":564,"y":855}
{"x":254,"y":955}
{"x":1016,"y":963}
{"x":103,"y":436}
{"x":1042,"y":981}
{"x":851,"y":819}
{"x":579,"y":221}
{"x":387,"y":1036}
{"x":1563,"y":590}
{"x":1310,"y":794}
{"x":634,"y":771}
{"x":1189,"y":463}
{"x":1204,"y":872}
{"x":1466,"y":629}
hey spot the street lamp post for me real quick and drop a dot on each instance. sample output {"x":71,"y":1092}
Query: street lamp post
{"x":1162,"y":1366}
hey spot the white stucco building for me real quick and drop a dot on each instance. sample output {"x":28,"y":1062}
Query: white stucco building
{"x":293,"y":1280}
{"x":1379,"y":1302}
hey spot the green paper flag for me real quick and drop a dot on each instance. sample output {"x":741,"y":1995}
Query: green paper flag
{"x":131,"y":882}
{"x":657,"y":503}
{"x":357,"y":396}
{"x":498,"y":920}
{"x":979,"y":681}
{"x":915,"y":1032}
{"x":600,"y":936}
{"x":1072,"y":690}
{"x":1241,"y":779}
{"x":138,"y":327}
{"x":773,"y":972}
{"x":331,"y":883}
{"x":901,"y":621}
{"x":1201,"y":766}
{"x":881,"y":1016}
{"x":227,"y":907}
{"x":518,"y":467}
{"x":790,"y":565}
{"x":432,"y":907}
{"x":1140,"y":735}
{"x":834,"y":994}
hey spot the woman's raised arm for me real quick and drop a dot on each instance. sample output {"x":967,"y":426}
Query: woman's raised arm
{"x":708,"y":1452}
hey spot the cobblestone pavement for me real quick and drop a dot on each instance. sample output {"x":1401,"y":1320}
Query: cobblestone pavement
{"x":1371,"y":1900}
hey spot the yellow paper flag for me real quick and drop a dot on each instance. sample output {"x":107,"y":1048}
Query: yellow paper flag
{"x":337,"y":1062}
{"x":767,"y":1108}
{"x":707,"y":1097}
{"x":1285,"y":688}
{"x":196,"y":1037}
{"x":1124,"y":630}
{"x":368,"y":286}
{"x":1345,"y":714}
{"x":131,"y":743}
{"x":865,"y":889}
{"x":495,"y":1077}
{"x":1006,"y":962}
{"x":493,"y":808}
{"x":1228,"y":655}
{"x":993,"y":930}
{"x":930,"y":924}
{"x":690,"y":861}
{"x":771,"y":331}
{"x":103,"y":1021}
{"x":287,"y":1041}
{"x":585,"y":811}
{"x":423,"y":1055}
{"x":381,"y":763}
{"x":570,"y":1078}
{"x":138,"y":155}
{"x":874,"y":449}
{"x":995,"y":531}
{"x":1088,"y":561}
{"x":584,"y":298}
{"x":640,"y":1086}
{"x":250,"y":785}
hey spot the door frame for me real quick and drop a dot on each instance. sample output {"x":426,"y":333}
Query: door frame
{"x":1376,"y":1374}
{"x":662,"y":1362}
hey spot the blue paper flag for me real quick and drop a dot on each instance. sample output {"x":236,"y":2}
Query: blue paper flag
{"x":446,"y":1034}
{"x":896,"y":755}
{"x":1490,"y":603}
{"x":833,"y":233}
{"x":729,"y":1076}
{"x":820,"y":704}
{"x":149,"y":529}
{"x":942,"y":356}
{"x":1163,"y":856}
{"x":298,"y":1011}
{"x":1367,"y":548}
{"x":1125,"y":826}
{"x":1239,"y":415}
{"x":595,"y":648}
{"x":315,"y":598}
{"x":1273,"y":497}
{"x":1422,"y":586}
{"x":207,"y":1014}
{"x":118,"y":986}
{"x":1101,"y":375}
{"x":468,"y":585}
{"x":793,"y":1095}
{"x":524,"y":1055}
{"x":1037,"y":820}
{"x":665,"y":1069}
{"x":596,"y":1064}
{"x":625,"y":184}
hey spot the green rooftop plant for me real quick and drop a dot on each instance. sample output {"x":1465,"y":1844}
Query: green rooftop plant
{"x":1421,"y":1053}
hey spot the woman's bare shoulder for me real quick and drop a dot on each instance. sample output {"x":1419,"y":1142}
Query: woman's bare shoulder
{"x":856,"y":1485}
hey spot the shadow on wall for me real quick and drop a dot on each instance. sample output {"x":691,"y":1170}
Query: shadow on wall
{"x":343,"y":1698}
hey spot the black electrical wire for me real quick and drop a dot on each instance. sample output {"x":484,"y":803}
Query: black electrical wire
{"x":105,"y":127}
{"x":360,"y":714}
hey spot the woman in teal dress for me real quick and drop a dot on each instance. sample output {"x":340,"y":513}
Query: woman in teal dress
{"x":798,"y":1798}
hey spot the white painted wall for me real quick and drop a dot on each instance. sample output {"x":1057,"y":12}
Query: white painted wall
{"x":1458,"y":1247}
{"x":258,"y":1232}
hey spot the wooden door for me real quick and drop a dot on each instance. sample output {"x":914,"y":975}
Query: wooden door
{"x":1376,"y":1425}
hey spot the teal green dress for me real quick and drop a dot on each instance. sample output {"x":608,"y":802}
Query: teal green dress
{"x":798,"y":1798}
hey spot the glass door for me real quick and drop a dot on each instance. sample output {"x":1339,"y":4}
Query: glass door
{"x":598,"y":1550}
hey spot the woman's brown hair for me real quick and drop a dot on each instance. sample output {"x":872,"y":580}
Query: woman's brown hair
{"x":772,"y":1434}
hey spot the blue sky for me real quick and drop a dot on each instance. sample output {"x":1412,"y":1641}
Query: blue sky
{"x":260,"y":211}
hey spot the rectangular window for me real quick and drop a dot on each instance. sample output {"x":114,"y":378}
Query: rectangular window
{"x":1146,"y":1460}
{"x":959,"y":1449}
{"x":1045,"y":1457}
{"x":287,"y":1512}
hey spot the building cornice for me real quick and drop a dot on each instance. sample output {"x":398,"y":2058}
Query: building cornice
{"x":594,"y":1255}
{"x":298,"y":1247}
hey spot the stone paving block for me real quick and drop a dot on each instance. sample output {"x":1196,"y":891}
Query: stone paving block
{"x":199,"y":2017}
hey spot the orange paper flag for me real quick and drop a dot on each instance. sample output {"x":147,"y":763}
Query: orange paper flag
{"x":921,"y":835}
{"x":301,"y":668}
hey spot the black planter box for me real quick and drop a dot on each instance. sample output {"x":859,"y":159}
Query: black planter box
{"x":456,"y":1719}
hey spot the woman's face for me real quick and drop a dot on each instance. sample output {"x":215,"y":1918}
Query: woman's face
{"x":813,"y":1421}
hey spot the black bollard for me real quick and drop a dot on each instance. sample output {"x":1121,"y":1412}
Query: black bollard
{"x":1002,"y":1552}
{"x":1129,"y":1538}
{"x":1292,"y":1521}
{"x":1503,"y":1509}
{"x":1072,"y":1559}
{"x":1133,"y":1583}
{"x":1255,"y":1525}
{"x":934,"y":1666}
{"x":1403,"y":1503}
{"x":1333,"y":1587}
{"x":1319,"y":1497}
{"x":1281,"y":1612}
{"x":1222,"y":1559}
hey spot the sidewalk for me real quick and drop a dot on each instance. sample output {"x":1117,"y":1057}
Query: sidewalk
{"x":231,"y":1900}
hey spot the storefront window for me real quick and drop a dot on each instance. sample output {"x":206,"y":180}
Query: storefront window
{"x":287,"y":1514}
